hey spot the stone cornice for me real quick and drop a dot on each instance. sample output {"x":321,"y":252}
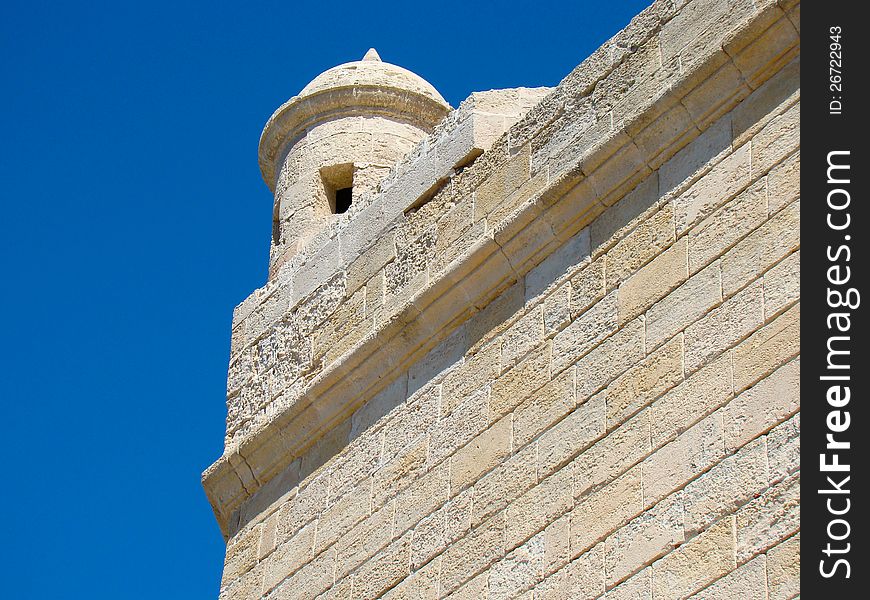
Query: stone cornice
{"x":580,"y":185}
{"x":300,"y":113}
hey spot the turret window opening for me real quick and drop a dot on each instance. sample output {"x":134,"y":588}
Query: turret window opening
{"x":338,"y":185}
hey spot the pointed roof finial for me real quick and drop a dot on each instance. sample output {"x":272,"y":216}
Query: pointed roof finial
{"x":372,"y":54}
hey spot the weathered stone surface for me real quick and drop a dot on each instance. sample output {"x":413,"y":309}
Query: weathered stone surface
{"x":480,"y":455}
{"x":543,"y":408}
{"x":640,"y":246}
{"x":645,"y":381}
{"x":612,"y":455}
{"x":762,"y":406}
{"x":784,"y":449}
{"x":770,"y":518}
{"x":664,"y":273}
{"x":581,"y":578}
{"x":702,"y":393}
{"x":682,"y":459}
{"x":479,"y":548}
{"x":571,"y":435}
{"x":645,"y":538}
{"x":784,"y":569}
{"x":748,"y":581}
{"x":722,"y":327}
{"x":520,"y":382}
{"x":727,"y":486}
{"x":721,"y":183}
{"x":538,"y":506}
{"x":762,"y":248}
{"x":605,"y":510}
{"x":584,"y":332}
{"x":712,"y":236}
{"x":681,"y":307}
{"x":782,"y":285}
{"x":700,"y":561}
{"x":767,"y":348}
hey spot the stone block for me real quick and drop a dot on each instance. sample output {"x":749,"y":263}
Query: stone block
{"x":419,"y":500}
{"x":307,"y":504}
{"x":778,"y":139}
{"x":644,"y":539}
{"x":585,"y":332}
{"x":767,"y":349}
{"x":784,"y":569}
{"x":480,"y":455}
{"x":519,"y":570}
{"x":726,"y":487}
{"x":610,"y":359}
{"x":684,"y":305}
{"x":636,"y":587}
{"x":371,"y":260}
{"x":520,"y":382}
{"x":761,"y":407}
{"x":399,"y":472}
{"x":473,"y":552}
{"x":605,"y":510}
{"x":782,"y":285}
{"x":655,"y":280}
{"x":384,"y":571}
{"x":683,"y":459}
{"x":557,"y":540}
{"x":537,"y":507}
{"x":504,"y":483}
{"x":784,"y":183}
{"x":581,"y":578}
{"x":571,"y":435}
{"x":364,"y":540}
{"x":467,"y":420}
{"x":784,"y":449}
{"x":587,"y":286}
{"x":645,"y":381}
{"x":725,"y":180}
{"x":339,"y":518}
{"x":241,"y":555}
{"x":769,"y":519}
{"x":695,"y":564}
{"x":419,"y":585}
{"x":564,"y":259}
{"x":698,"y":156}
{"x":617,"y":221}
{"x":557,"y":309}
{"x":612,"y":455}
{"x":723,"y":326}
{"x":762,"y":249}
{"x":545,"y":407}
{"x":640,"y":246}
{"x":521,"y":337}
{"x":502,"y":182}
{"x":715,"y":234}
{"x":748,"y":581}
{"x":469,"y":377}
{"x":289,"y":557}
{"x":769,"y":100}
{"x":410,"y":422}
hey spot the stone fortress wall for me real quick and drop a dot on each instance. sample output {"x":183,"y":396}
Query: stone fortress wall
{"x":554,"y":353}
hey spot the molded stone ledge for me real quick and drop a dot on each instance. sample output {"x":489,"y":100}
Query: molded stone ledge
{"x":528,"y":233}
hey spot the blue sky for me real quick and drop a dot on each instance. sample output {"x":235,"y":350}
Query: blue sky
{"x":134,"y":219}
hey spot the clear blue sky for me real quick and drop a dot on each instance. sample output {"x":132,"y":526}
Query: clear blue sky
{"x":134,"y":219}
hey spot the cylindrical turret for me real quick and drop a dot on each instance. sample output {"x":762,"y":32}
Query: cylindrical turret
{"x":336,"y":140}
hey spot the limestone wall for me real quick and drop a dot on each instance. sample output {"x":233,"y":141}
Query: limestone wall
{"x":572,"y":371}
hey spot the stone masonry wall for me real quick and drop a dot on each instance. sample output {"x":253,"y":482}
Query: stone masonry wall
{"x":619,"y":419}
